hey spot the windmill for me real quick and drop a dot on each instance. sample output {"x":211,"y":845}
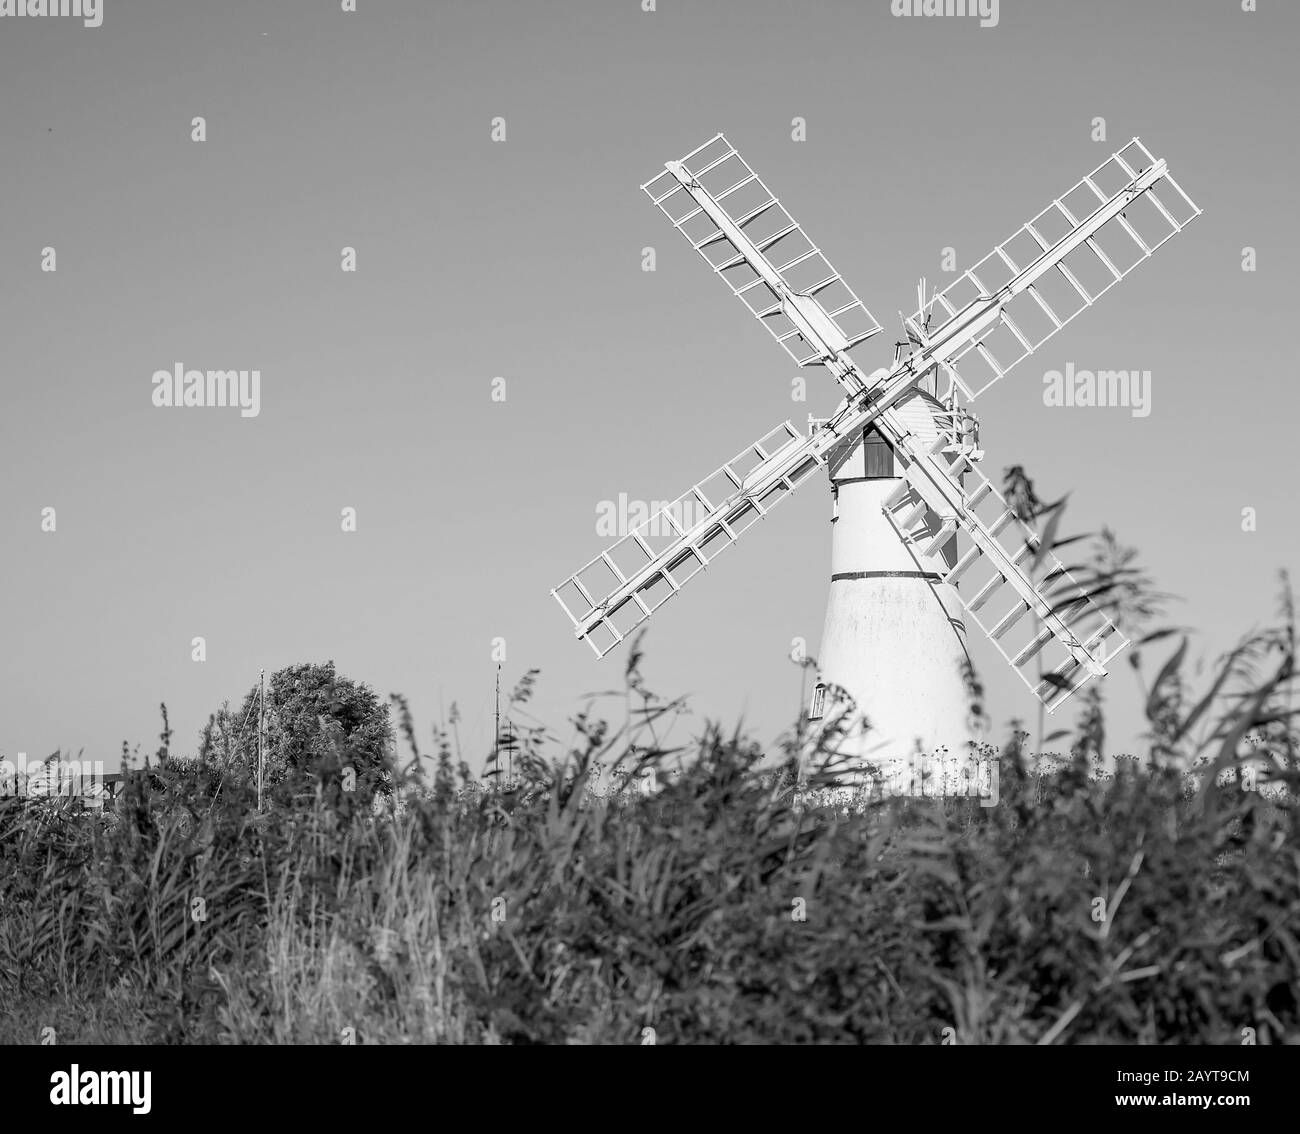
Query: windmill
{"x":913,"y":518}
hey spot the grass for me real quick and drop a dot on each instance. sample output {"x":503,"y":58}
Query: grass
{"x":715,"y":910}
{"x":742,"y":901}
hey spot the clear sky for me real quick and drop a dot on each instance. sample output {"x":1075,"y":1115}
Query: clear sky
{"x":522,"y":259}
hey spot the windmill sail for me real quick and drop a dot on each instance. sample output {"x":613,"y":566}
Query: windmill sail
{"x":1000,"y":560}
{"x":1030,"y":286}
{"x":737,"y":224}
{"x":627,"y":582}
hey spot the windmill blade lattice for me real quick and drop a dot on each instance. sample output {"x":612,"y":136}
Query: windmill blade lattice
{"x":1063,"y":620}
{"x":714,"y":199}
{"x":1055,"y":266}
{"x":607,"y":598}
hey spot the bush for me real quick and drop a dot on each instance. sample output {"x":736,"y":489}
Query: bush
{"x":311,"y":714}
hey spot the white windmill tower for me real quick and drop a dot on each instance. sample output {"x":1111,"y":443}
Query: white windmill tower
{"x":920,"y":535}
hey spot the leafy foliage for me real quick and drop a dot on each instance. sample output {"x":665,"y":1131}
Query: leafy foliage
{"x":310,"y":711}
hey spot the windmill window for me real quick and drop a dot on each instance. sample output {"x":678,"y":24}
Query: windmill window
{"x":818,"y":708}
{"x":879,"y":457}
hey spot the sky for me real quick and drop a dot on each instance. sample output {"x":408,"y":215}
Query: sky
{"x":481,"y":258}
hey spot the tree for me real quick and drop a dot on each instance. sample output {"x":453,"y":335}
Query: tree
{"x":311,"y":713}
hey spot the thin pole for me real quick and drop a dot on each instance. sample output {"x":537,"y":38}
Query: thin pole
{"x":261,"y":719}
{"x":803,"y":698}
{"x":496,"y":728}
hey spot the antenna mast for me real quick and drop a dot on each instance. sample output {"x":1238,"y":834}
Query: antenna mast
{"x":261,"y":718}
